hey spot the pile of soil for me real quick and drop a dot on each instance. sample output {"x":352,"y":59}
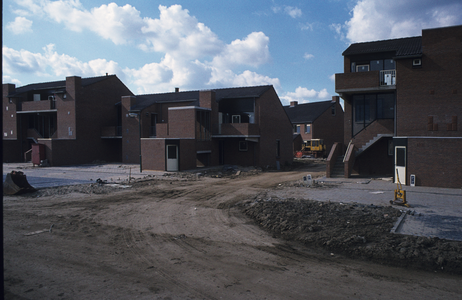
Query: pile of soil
{"x":353,"y":230}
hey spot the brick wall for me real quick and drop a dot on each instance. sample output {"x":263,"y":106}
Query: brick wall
{"x":153,"y":154}
{"x":432,"y":94}
{"x":435,"y":162}
{"x":357,"y":80}
{"x":182,"y":122}
{"x":9,"y":114}
{"x":274,"y":126}
{"x":329,"y":126}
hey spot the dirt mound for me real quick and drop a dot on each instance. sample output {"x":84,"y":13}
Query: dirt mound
{"x":354,"y":230}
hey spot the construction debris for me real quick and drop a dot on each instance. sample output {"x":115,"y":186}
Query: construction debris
{"x":16,"y":183}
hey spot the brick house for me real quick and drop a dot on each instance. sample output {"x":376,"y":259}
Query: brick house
{"x":402,"y":104}
{"x":184,"y":130}
{"x":71,"y":118}
{"x":316,"y":120}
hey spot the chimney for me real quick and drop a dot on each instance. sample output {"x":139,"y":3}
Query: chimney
{"x":177,"y":90}
{"x":293,"y":103}
{"x":335,"y":99}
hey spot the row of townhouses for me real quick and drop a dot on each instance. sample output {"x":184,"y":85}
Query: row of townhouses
{"x":401,"y":103}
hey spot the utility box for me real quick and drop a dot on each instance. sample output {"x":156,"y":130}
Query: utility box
{"x":38,"y":153}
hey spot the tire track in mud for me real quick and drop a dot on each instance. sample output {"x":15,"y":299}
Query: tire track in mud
{"x":134,"y":239}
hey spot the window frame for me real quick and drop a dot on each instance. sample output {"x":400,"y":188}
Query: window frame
{"x":307,"y":128}
{"x":243,"y":146}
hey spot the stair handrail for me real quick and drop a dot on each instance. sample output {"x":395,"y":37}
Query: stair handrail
{"x":344,"y":156}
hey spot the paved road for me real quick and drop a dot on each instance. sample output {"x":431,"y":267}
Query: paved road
{"x":434,"y":212}
{"x":42,"y":177}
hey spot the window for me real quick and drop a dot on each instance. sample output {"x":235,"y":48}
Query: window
{"x":36,"y":97}
{"x":362,"y":110}
{"x":236,"y":119}
{"x":296,"y":128}
{"x":385,"y":106}
{"x":307,"y":128}
{"x":243,"y":146}
{"x":153,"y":125}
{"x":203,"y":127}
{"x":400,"y":158}
{"x":376,"y":65}
{"x":333,"y":109}
{"x":171,"y":152}
{"x":362,"y":68}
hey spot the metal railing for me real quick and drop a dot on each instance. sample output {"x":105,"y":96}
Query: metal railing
{"x":387,"y":77}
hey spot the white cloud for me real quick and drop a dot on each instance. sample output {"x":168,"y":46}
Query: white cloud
{"x":178,"y":33}
{"x":193,"y":56}
{"x":307,"y":26}
{"x":9,"y":79}
{"x":294,"y":12}
{"x":308,"y":56}
{"x":50,"y":63}
{"x":253,"y":51}
{"x":20,"y":25}
{"x":22,"y":61}
{"x":377,"y":20}
{"x":304,"y":95}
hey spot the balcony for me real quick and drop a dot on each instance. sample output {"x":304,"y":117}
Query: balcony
{"x":371,"y":81}
{"x":239,"y":129}
{"x":111,"y":132}
{"x":42,"y":105}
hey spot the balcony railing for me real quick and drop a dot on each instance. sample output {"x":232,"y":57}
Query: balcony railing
{"x":387,"y":77}
{"x":111,"y":131}
{"x":239,"y":129}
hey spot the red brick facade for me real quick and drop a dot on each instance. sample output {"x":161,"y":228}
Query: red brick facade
{"x":67,"y":116}
{"x":194,"y":127}
{"x":324,"y":119}
{"x":427,"y":110}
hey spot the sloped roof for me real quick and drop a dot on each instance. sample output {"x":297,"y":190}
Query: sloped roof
{"x":307,"y":112}
{"x":403,"y":47}
{"x":144,"y":101}
{"x":57,"y":85}
{"x":241,"y":92}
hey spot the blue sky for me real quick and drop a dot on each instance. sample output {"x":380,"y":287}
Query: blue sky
{"x":155,"y":46}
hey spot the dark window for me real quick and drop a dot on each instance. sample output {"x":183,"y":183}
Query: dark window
{"x":362,"y":68}
{"x":389,"y":64}
{"x":376,"y":65}
{"x":307,"y":128}
{"x":296,"y":128}
{"x":278,"y":148}
{"x":203,"y":127}
{"x":400,"y":157}
{"x":153,"y":125}
{"x":243,"y":146}
{"x":171,"y":152}
{"x":385,"y":106}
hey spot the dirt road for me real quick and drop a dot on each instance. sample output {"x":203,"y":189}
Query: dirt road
{"x":181,"y":238}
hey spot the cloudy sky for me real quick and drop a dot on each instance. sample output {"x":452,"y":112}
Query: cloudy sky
{"x":154,"y":46}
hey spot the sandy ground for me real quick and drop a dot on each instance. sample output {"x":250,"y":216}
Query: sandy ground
{"x":211,"y":237}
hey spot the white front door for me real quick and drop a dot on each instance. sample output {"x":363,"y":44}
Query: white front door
{"x":400,"y":164}
{"x":172,"y":157}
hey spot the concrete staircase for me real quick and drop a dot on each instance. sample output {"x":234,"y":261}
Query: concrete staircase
{"x":338,"y":171}
{"x":371,"y":142}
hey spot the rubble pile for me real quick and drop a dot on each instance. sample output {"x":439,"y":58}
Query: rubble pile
{"x":354,"y":230}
